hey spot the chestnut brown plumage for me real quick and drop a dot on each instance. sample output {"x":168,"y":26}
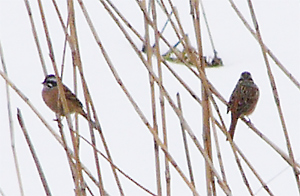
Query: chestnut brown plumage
{"x":243,"y":100}
{"x":52,"y":99}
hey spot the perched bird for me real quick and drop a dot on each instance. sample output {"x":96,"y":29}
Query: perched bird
{"x":243,"y":100}
{"x":52,"y":99}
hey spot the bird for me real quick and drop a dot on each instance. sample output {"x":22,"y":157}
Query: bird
{"x":243,"y":100}
{"x":52,"y":99}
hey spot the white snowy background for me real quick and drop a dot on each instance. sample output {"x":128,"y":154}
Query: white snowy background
{"x":129,"y":140}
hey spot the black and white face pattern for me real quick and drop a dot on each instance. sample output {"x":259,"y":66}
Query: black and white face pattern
{"x":50,"y":81}
{"x":246,"y":76}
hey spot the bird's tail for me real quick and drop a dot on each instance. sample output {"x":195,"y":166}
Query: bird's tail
{"x":89,"y":120}
{"x":234,"y":120}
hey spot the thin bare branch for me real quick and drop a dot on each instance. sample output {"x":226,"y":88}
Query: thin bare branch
{"x":275,"y":93}
{"x":36,"y":39}
{"x":11,"y":127}
{"x":34,"y":155}
{"x":186,"y":147}
{"x":267,"y":50}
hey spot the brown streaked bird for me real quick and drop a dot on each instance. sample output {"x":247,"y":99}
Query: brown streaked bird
{"x":51,"y":97}
{"x":243,"y":100}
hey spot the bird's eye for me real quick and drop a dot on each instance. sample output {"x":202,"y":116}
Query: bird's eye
{"x":51,"y":84}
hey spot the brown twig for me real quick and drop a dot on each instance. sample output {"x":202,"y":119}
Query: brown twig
{"x":217,"y":145}
{"x":119,"y":81}
{"x":153,"y":104}
{"x":275,"y":93}
{"x":161,"y":99}
{"x":186,"y":147}
{"x":11,"y":127}
{"x":33,"y":153}
{"x":210,"y":184}
{"x":223,"y":186}
{"x":35,"y":35}
{"x":267,"y":50}
{"x":238,"y":162}
{"x":117,"y":168}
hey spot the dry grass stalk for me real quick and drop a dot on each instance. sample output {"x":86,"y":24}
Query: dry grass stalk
{"x":189,"y":56}
{"x":33,"y":153}
{"x":267,"y":50}
{"x":275,"y":94}
{"x":161,"y":98}
{"x":186,"y":148}
{"x":11,"y":127}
